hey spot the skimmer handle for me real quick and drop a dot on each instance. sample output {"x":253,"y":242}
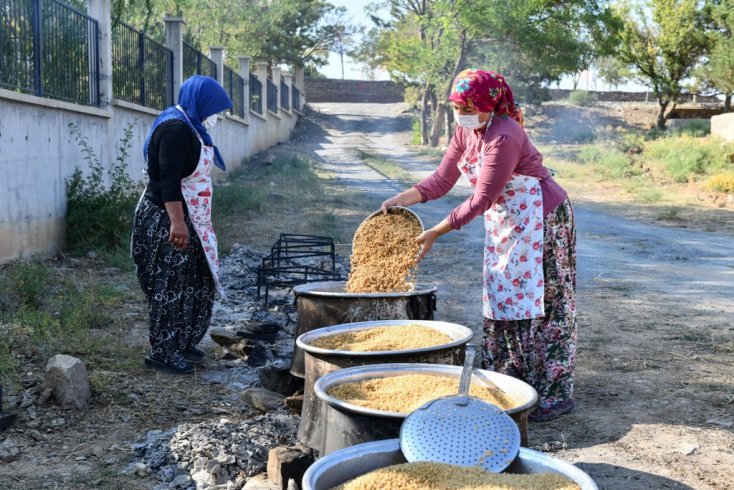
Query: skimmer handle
{"x":466,"y":373}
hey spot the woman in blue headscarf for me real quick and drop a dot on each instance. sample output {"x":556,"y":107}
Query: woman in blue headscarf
{"x":173,"y":244}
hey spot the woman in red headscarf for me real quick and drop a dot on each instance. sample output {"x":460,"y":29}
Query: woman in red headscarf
{"x":530,"y":244}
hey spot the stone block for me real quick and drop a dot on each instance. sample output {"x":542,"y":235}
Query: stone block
{"x":67,"y":378}
{"x":262,"y":399}
{"x":723,"y":126}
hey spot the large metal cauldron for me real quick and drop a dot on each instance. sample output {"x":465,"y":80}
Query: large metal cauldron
{"x":319,"y":362}
{"x":342,"y":466}
{"x":321,"y":304}
{"x":346,"y":424}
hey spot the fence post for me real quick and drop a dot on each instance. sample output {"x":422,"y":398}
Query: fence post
{"x":216,"y":53}
{"x":174,"y":42}
{"x":102,"y":11}
{"x":289,"y":84}
{"x":245,"y":74}
{"x":300,"y":85}
{"x":276,"y":82}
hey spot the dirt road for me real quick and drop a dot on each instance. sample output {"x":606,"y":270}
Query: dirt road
{"x":655,"y":377}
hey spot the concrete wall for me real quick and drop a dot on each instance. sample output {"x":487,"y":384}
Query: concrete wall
{"x":38,"y":153}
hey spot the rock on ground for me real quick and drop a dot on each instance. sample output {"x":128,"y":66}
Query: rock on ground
{"x":68,"y":379}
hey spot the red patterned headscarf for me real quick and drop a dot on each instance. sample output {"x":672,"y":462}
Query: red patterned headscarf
{"x":487,"y":91}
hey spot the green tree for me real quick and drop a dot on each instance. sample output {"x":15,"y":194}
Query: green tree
{"x":717,"y":73}
{"x":663,"y":49}
{"x":611,"y":70}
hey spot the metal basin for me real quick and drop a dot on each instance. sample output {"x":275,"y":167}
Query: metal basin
{"x":321,"y":304}
{"x":346,"y":424}
{"x":319,"y":362}
{"x":354,"y":461}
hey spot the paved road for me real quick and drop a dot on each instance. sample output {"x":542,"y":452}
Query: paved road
{"x":611,"y":250}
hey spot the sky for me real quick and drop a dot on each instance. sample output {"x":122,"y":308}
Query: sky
{"x":353,"y":71}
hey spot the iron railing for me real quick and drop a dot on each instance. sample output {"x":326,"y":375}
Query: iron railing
{"x":142,"y":69}
{"x":295,"y":98}
{"x":235,"y":87}
{"x":285,"y":102}
{"x":272,"y":96}
{"x":256,"y":94}
{"x":49,"y":49}
{"x":197,"y":63}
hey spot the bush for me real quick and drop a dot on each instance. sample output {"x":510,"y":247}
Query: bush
{"x":610,"y":162}
{"x":416,"y":128}
{"x":582,"y":98}
{"x":685,"y":158}
{"x":100,"y":217}
{"x":695,"y":128}
{"x":723,"y":182}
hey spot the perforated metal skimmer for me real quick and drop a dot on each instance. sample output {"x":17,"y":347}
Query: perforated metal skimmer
{"x":461,"y":430}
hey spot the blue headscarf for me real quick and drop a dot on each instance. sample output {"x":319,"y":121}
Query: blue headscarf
{"x":200,"y":97}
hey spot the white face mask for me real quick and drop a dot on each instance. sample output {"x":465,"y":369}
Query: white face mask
{"x":468,"y":121}
{"x":210,"y":121}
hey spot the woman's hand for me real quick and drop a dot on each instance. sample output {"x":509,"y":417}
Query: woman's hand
{"x":179,"y":235}
{"x":393,"y":201}
{"x":426,"y":240}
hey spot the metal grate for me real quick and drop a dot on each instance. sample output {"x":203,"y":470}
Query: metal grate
{"x":142,"y":69}
{"x":235,"y":87}
{"x":296,"y":98}
{"x":197,"y":63}
{"x":284,"y":266}
{"x":256,"y":94}
{"x":284,"y":96}
{"x":272,"y":96}
{"x":49,"y":49}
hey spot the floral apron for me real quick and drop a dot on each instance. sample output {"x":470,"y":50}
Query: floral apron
{"x":197,"y":192}
{"x":513,"y":247}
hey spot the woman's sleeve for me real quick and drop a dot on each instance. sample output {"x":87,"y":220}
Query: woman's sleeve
{"x":500,"y":160}
{"x":173,"y":151}
{"x":440,"y":182}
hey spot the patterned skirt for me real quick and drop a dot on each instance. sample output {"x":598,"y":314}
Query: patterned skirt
{"x":177,"y":283}
{"x":542,"y":352}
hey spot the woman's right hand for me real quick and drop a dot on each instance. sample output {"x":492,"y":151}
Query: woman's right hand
{"x":393,"y":201}
{"x":179,"y":234}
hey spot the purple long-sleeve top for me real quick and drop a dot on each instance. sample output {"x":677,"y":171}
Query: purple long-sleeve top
{"x":504,"y":149}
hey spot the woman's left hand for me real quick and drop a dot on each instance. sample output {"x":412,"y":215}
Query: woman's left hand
{"x":426,"y":240}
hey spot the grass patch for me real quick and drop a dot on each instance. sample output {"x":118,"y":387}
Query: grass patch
{"x":291,"y":195}
{"x":46,"y":310}
{"x":384,"y":166}
{"x":686,"y":158}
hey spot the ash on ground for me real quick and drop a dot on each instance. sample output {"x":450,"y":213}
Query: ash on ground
{"x":248,"y":347}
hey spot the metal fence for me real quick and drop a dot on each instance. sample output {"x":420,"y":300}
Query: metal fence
{"x":256,"y":94}
{"x":49,"y":49}
{"x":197,"y":63}
{"x":285,"y":101}
{"x":235,"y":87}
{"x":142,"y":69}
{"x":295,"y":98}
{"x":272,"y":96}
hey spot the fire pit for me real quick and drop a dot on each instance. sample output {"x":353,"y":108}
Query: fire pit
{"x":319,"y":362}
{"x":347,"y":424}
{"x":342,"y":466}
{"x":322,"y":304}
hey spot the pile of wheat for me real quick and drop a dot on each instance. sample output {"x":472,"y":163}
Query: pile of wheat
{"x":388,"y":337}
{"x":405,"y":393}
{"x":438,"y":476}
{"x":384,"y":254}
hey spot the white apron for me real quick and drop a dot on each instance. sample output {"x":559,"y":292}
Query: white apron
{"x":197,"y":193}
{"x":513,"y":247}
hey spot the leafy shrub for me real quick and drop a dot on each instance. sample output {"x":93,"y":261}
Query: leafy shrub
{"x":416,"y":129}
{"x":695,"y":128}
{"x":610,"y":162}
{"x":723,"y":182}
{"x":582,"y":98}
{"x":97,"y":216}
{"x":685,"y":158}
